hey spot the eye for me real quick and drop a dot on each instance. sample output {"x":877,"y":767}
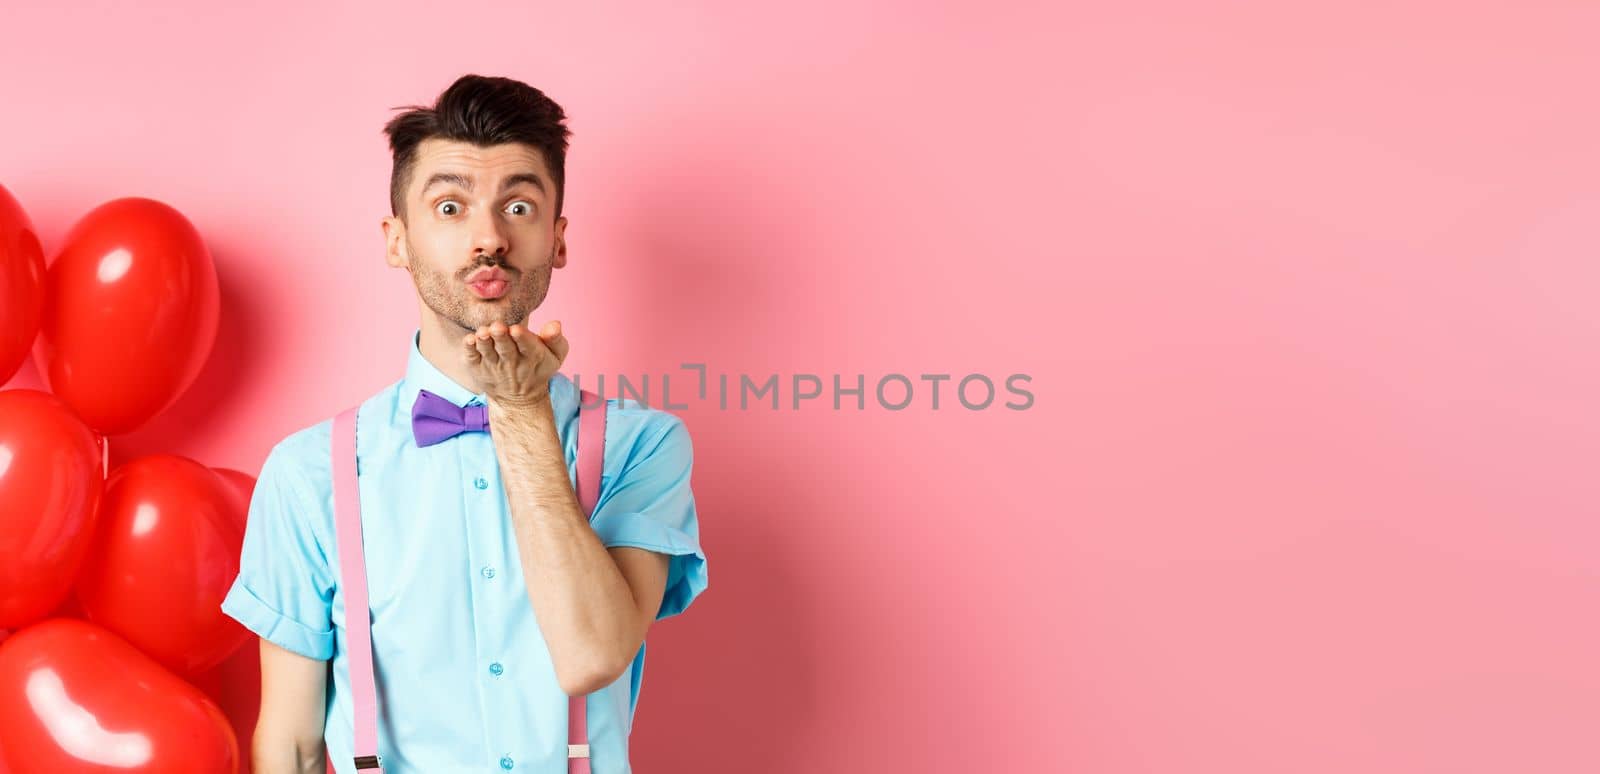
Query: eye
{"x":527,"y":209}
{"x":448,"y":207}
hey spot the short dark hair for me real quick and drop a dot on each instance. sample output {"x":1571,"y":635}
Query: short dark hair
{"x":482,"y":110}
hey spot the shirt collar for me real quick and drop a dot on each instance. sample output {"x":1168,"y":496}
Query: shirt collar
{"x":424,"y":375}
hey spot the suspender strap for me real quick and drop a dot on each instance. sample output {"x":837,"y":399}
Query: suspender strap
{"x":591,"y":454}
{"x":353,"y":576}
{"x":353,"y":570}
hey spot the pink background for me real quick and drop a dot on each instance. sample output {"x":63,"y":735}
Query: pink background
{"x":1308,"y":295}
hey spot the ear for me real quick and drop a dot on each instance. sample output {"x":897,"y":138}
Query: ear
{"x":394,"y":237}
{"x":561,"y":242}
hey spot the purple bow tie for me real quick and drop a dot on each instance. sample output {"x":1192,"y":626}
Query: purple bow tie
{"x":435,"y":419}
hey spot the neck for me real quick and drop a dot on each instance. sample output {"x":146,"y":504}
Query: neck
{"x":440,"y":344}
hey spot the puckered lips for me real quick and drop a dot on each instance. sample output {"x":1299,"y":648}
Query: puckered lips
{"x":489,"y":283}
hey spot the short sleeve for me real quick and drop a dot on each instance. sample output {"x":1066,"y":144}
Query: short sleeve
{"x":284,"y":590}
{"x":649,"y":505}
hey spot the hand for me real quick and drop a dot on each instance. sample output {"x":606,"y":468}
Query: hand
{"x":514,"y":365}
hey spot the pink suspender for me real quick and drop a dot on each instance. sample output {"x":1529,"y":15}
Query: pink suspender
{"x":353,"y":573}
{"x":591,"y":425}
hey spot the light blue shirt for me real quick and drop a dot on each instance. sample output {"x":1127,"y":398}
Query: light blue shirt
{"x":464,"y":680}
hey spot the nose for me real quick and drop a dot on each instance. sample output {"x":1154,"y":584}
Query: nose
{"x":488,"y":233}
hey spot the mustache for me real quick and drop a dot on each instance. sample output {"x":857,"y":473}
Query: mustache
{"x":500,"y":264}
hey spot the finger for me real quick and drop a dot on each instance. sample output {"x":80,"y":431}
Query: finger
{"x":552,"y":339}
{"x":538,"y":348}
{"x":469,"y":348}
{"x":485,"y":344}
{"x":504,"y":347}
{"x":558,"y":346}
{"x":550,"y":331}
{"x":528,"y":343}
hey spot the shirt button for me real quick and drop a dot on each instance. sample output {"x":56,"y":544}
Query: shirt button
{"x":488,"y":572}
{"x":495,"y":669}
{"x":505,"y":763}
{"x":481,"y":483}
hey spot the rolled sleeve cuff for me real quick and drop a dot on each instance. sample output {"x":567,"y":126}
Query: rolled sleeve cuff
{"x":686,"y":574}
{"x":245,"y":607}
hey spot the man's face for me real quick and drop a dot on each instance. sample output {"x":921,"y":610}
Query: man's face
{"x":470,"y":210}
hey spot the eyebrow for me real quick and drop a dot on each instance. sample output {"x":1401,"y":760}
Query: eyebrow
{"x":463,"y":181}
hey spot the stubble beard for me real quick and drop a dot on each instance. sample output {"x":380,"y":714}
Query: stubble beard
{"x":452,"y":300}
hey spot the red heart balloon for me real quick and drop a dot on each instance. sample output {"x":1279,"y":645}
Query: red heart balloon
{"x":235,"y":685}
{"x":165,"y":552}
{"x":130,"y":316}
{"x":77,"y":698}
{"x":21,"y":277}
{"x":50,"y":477}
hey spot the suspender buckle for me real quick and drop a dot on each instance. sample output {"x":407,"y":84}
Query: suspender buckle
{"x":368,"y":762}
{"x":577,"y":751}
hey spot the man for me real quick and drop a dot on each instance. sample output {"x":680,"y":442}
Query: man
{"x":493,"y":597}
